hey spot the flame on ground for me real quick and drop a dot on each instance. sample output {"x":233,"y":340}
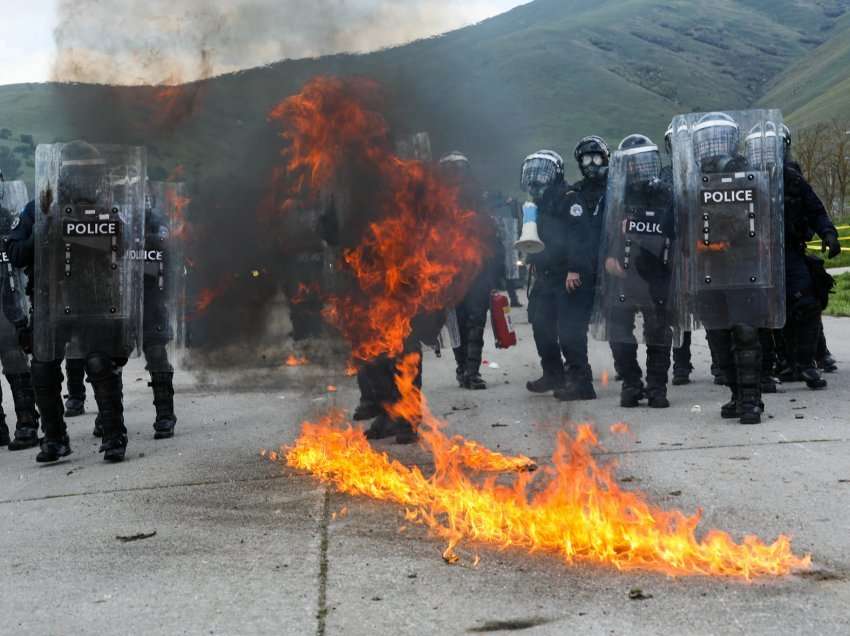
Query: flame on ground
{"x":574,"y":508}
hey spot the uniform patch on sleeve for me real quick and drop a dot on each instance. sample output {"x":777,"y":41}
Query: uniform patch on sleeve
{"x":16,"y":222}
{"x":576,"y":210}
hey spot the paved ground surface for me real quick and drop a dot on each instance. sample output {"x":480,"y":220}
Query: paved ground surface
{"x":245,"y":547}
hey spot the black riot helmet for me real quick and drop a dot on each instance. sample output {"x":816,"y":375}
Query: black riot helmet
{"x":592,"y":155}
{"x":763,"y":147}
{"x":715,"y":136}
{"x":83,"y":176}
{"x":540,"y":171}
{"x":641,"y":158}
{"x":454,"y":167}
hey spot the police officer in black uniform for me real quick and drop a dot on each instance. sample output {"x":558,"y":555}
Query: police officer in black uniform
{"x":638,"y":253}
{"x":13,"y":197}
{"x":472,"y":310}
{"x":561,"y":297}
{"x":807,"y":283}
{"x":157,"y":328}
{"x":83,"y":174}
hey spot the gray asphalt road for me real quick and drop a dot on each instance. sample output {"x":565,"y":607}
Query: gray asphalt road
{"x":246,"y":547}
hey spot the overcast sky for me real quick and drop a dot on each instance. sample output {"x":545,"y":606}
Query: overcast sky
{"x":153,"y":41}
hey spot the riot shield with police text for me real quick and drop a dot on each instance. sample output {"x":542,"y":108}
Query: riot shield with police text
{"x":89,"y":222}
{"x":637,"y":297}
{"x":164,"y":319}
{"x":728,"y":181}
{"x":15,"y":304}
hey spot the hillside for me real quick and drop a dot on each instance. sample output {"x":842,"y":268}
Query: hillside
{"x":817,"y":87}
{"x":544,"y":74}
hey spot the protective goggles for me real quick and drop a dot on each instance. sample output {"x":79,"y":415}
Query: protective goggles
{"x":592,"y":158}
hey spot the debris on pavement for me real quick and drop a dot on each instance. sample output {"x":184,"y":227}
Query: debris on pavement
{"x":135,"y":537}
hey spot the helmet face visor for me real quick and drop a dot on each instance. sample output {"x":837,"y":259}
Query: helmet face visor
{"x":715,"y":139}
{"x":538,"y":173}
{"x":643,"y":164}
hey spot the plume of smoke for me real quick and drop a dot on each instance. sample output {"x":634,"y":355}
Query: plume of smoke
{"x":128,"y":42}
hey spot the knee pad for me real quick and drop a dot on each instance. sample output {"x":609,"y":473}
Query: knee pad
{"x":156,"y":358}
{"x":100,"y":367}
{"x":746,"y":336}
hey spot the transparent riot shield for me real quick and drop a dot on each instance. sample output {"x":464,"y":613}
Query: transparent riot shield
{"x":638,"y":294}
{"x":89,"y":222}
{"x":15,"y":304}
{"x":164,"y":319}
{"x":728,"y":182}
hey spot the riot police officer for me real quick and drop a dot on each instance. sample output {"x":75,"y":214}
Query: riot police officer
{"x":561,"y":296}
{"x":86,"y":287}
{"x":471,"y":312}
{"x":13,"y":198}
{"x":636,"y":273}
{"x":733,"y":245}
{"x":162,"y":300}
{"x":806,"y":281}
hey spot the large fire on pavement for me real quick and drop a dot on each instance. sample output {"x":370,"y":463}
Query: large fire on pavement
{"x":418,"y":254}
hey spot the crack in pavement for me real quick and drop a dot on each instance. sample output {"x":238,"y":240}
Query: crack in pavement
{"x":539,"y":460}
{"x":322,"y":605}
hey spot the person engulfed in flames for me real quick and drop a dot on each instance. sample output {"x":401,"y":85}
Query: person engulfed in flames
{"x":472,"y":310}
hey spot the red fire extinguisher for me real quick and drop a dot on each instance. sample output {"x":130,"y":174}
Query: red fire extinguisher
{"x":500,"y":317}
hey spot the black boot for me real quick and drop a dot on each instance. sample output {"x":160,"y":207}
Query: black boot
{"x":790,"y":373}
{"x":105,"y":377}
{"x":547,"y":382}
{"x":812,"y":378}
{"x":47,"y":389}
{"x":163,"y":401}
{"x":731,"y":410}
{"x":74,"y":406}
{"x":579,"y":386}
{"x":405,"y":433}
{"x":76,"y":398}
{"x":53,"y":449}
{"x":749,"y":399}
{"x":26,"y":428}
{"x":366,"y":410}
{"x":631,"y":394}
{"x":473,"y":380}
{"x":460,"y":372}
{"x":768,"y":384}
{"x":382,"y":426}
{"x":657,"y":396}
{"x":98,"y":427}
{"x":827,"y":363}
{"x":682,"y":376}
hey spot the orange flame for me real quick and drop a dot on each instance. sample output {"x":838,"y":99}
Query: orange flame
{"x":177,"y":205}
{"x":604,"y":378}
{"x":574,"y":508}
{"x":620,"y":428}
{"x":418,"y":256}
{"x":294,"y":361}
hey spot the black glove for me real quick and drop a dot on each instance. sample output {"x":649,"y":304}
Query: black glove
{"x":830,"y":242}
{"x":24,"y":332}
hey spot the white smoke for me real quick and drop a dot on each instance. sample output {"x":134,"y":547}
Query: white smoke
{"x":174,"y":41}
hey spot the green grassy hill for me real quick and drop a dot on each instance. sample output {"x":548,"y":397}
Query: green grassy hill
{"x":543,"y":74}
{"x":817,"y":88}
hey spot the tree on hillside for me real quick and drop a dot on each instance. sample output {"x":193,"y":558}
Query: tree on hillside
{"x":823,"y":151}
{"x":9,"y":164}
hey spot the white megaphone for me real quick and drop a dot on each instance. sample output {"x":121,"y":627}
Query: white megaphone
{"x":529,"y":242}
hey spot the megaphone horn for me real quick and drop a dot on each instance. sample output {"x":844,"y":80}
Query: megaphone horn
{"x":529,"y":242}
